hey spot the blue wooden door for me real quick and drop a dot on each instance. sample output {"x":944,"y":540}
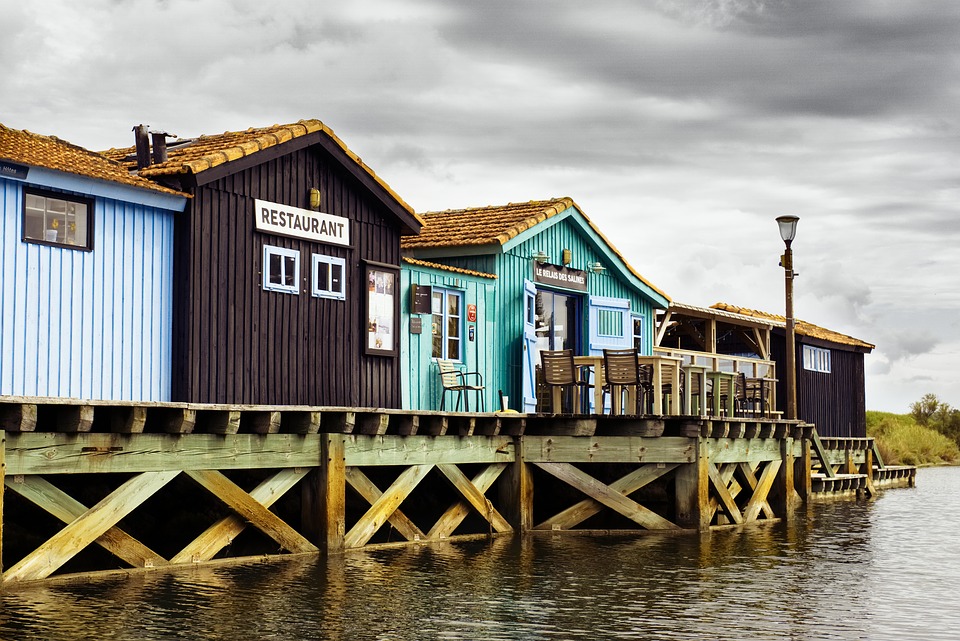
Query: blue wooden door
{"x":610,"y":327}
{"x":529,"y":347}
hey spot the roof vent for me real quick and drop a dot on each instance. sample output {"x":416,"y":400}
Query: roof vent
{"x":140,"y":133}
{"x":159,"y":139}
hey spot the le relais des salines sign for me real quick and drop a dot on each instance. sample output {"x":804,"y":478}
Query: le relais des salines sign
{"x":285,"y":220}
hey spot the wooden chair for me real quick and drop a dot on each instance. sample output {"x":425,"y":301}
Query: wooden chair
{"x":560,"y":373}
{"x":453,"y":380}
{"x":621,"y":371}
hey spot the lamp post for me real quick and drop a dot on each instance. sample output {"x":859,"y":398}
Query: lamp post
{"x":788,"y":230}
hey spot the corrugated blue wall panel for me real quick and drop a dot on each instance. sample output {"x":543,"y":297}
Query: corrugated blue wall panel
{"x":93,"y":325}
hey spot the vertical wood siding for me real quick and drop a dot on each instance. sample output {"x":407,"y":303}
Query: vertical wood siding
{"x":92,"y":325}
{"x":235,"y":342}
{"x":421,"y":380}
{"x":834,"y":402}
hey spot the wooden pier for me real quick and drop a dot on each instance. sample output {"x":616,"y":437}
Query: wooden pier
{"x":96,"y":486}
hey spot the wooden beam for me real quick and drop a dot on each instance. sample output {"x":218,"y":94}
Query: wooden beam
{"x":323,"y":496}
{"x":55,"y":501}
{"x":456,"y":513}
{"x":223,"y":532}
{"x":692,"y":489}
{"x":722,"y":492}
{"x":475,"y":496}
{"x":662,"y":330}
{"x":18,"y":417}
{"x":609,"y":449}
{"x":55,"y":453}
{"x":251,"y":510}
{"x":759,"y":498}
{"x":363,"y":450}
{"x":516,"y":490}
{"x":219,"y":421}
{"x":300,"y":422}
{"x":267,"y":422}
{"x":820,"y":452}
{"x":604,"y":494}
{"x":61,"y":547}
{"x":749,"y":477}
{"x":364,"y":529}
{"x":371,"y":493}
{"x":626,"y":485}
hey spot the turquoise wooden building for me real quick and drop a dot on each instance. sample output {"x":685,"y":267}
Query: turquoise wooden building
{"x":560,"y":284}
{"x":85,"y":274}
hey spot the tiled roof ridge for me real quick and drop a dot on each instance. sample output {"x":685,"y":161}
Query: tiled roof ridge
{"x":264,"y":138}
{"x":65,"y":143}
{"x":449,"y":268}
{"x":802,"y":327}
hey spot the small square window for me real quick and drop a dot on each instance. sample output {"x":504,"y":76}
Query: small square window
{"x":281,"y":269}
{"x":57,"y":219}
{"x":329,"y":277}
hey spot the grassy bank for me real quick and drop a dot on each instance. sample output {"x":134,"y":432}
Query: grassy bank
{"x":902,"y":441}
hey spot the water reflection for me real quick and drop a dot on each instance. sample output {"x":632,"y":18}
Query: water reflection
{"x":840,"y":570}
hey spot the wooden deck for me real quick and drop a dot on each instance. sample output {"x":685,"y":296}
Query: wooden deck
{"x":99,"y":485}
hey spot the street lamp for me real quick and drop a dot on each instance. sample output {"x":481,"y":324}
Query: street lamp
{"x":788,"y":231}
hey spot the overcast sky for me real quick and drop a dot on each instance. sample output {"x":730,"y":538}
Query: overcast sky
{"x":682,"y":128}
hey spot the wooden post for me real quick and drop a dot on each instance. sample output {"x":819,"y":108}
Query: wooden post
{"x":692,"y":487}
{"x":516,"y":491}
{"x":802,"y":471}
{"x":783,"y":501}
{"x":323,"y":503}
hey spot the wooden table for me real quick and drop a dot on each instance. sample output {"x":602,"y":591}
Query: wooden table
{"x":671,"y":371}
{"x":718,"y":378}
{"x":689,"y":372}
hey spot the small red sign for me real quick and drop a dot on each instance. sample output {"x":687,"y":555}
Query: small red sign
{"x":472,"y":313}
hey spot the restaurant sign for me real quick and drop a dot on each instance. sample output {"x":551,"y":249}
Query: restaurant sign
{"x":558,"y":276}
{"x":301,"y":223}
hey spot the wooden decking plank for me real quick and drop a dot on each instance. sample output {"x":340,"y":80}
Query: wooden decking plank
{"x":371,"y":493}
{"x":221,"y":534}
{"x":604,"y":494}
{"x":475,"y":497}
{"x":451,"y":519}
{"x":364,"y":529}
{"x":251,"y":510}
{"x":62,"y":546}
{"x":55,"y":501}
{"x":626,"y":485}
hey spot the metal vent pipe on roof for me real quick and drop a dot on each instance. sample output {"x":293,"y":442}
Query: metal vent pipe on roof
{"x":159,"y":139}
{"x":140,"y":133}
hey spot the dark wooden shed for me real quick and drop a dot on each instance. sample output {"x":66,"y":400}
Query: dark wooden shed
{"x":286,"y":268}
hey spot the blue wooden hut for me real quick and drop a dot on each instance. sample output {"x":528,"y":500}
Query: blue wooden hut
{"x":85,"y":274}
{"x":560,"y":284}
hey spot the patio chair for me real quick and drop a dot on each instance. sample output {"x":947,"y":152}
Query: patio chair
{"x":560,"y":374}
{"x":622,"y":371}
{"x":453,"y":380}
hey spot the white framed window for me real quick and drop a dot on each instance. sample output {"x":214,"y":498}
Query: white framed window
{"x":816,"y":359}
{"x":447,"y":324}
{"x":53,"y":218}
{"x":637,"y":322}
{"x":329,"y":277}
{"x":281,"y":269}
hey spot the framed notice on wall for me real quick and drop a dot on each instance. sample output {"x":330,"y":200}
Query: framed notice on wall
{"x":383,"y":310}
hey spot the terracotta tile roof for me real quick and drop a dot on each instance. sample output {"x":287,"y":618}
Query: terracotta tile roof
{"x":50,"y":152}
{"x":498,"y":225}
{"x":193,"y":156}
{"x":802,"y":327}
{"x":447,"y":268}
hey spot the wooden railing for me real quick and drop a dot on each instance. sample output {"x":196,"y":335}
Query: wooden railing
{"x":752,"y":367}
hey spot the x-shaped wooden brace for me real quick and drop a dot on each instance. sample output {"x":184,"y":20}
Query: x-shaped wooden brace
{"x":614,"y":496}
{"x":727,"y":488}
{"x":385,"y":506}
{"x":98,"y":524}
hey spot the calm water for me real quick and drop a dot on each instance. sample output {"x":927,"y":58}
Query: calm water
{"x":889,"y":569}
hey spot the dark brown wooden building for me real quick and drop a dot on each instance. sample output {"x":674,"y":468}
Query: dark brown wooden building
{"x":286,"y":267}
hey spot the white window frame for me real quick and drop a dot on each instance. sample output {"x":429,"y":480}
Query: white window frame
{"x":635,"y":321}
{"x":816,"y":359}
{"x":284,"y":253}
{"x":324,"y":290}
{"x":70,"y":226}
{"x":444,"y":321}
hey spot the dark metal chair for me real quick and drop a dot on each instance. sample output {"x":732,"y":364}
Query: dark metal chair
{"x":559,"y":374}
{"x":453,"y":380}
